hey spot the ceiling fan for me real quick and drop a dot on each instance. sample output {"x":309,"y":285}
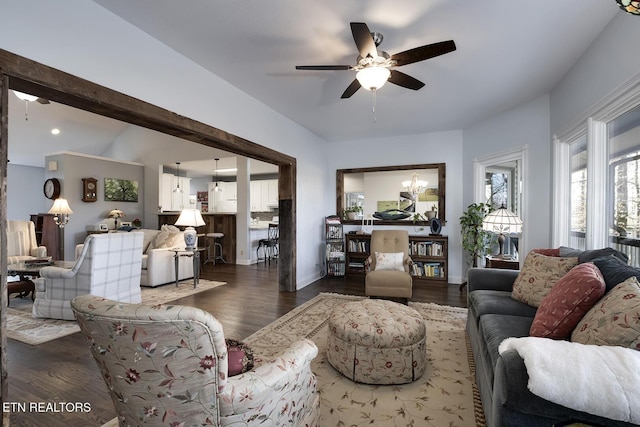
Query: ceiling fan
{"x":375,"y":67}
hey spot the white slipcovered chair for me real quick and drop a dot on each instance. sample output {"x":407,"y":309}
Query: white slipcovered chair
{"x":108,"y":266}
{"x":21,"y":242}
{"x":168,"y":365}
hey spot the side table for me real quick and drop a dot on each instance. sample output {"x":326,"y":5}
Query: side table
{"x":195,"y":255}
{"x":502,"y":263}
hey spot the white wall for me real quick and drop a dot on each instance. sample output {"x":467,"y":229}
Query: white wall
{"x":438,"y":147}
{"x":527,"y":124}
{"x":605,"y":65}
{"x":71,"y":169}
{"x":24,"y":192}
{"x":85,"y":40}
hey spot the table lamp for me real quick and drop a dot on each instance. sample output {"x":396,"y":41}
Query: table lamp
{"x":115,"y":214}
{"x":501,"y":222}
{"x":61,"y":212}
{"x":190,"y":218}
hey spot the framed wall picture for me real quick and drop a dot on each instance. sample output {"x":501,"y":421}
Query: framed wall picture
{"x":120,"y":190}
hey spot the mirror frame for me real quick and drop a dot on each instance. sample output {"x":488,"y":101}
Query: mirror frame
{"x":442,"y":175}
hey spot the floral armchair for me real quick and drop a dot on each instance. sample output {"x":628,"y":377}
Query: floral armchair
{"x":167,"y":365}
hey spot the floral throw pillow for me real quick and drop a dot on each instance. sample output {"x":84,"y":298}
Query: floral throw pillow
{"x":389,"y":261}
{"x":567,"y":303}
{"x":614,"y":320}
{"x":239,"y":356}
{"x":538,"y":275}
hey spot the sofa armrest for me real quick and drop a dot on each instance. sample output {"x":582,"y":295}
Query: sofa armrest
{"x":491,"y":279}
{"x":280,"y":379}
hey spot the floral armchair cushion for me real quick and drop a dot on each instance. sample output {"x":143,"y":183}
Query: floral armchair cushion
{"x":167,"y":364}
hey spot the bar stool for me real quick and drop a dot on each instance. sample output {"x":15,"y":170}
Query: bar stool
{"x":269,"y":245}
{"x":217,"y":248}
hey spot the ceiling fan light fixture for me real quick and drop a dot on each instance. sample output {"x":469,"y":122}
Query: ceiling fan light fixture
{"x":373,"y":78}
{"x":25,"y":96}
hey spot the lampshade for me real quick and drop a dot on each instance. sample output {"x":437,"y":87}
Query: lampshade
{"x":502,"y":221}
{"x":373,"y":78}
{"x":60,"y":206}
{"x":116,"y":213}
{"x":61,"y":212}
{"x":629,"y":6}
{"x":25,"y":96}
{"x":190,"y":218}
{"x":414,"y":186}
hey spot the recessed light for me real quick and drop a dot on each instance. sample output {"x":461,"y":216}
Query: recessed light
{"x":55,"y":131}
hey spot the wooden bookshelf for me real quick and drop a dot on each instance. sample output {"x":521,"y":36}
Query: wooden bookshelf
{"x":430,"y":256}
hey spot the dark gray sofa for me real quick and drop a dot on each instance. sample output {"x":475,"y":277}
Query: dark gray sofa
{"x":502,"y":379}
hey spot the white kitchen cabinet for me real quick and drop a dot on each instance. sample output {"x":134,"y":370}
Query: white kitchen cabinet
{"x":263,"y":195}
{"x":225,"y":200}
{"x":169,"y":200}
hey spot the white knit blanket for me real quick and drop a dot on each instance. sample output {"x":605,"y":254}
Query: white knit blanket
{"x":600,"y":380}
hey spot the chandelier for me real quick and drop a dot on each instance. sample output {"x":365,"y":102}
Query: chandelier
{"x":414,"y":186}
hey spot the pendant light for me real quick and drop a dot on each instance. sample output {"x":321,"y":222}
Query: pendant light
{"x":178,"y":189}
{"x":216,"y":188}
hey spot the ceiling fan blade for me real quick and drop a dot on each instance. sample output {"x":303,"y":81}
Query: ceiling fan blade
{"x":353,"y":88}
{"x":364,"y":40}
{"x":405,"y":80}
{"x":323,"y":67}
{"x":43,"y":101}
{"x":423,"y":52}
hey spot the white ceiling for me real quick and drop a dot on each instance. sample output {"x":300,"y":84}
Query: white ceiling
{"x":505,"y":56}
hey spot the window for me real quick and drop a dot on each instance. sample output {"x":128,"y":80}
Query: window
{"x":578,"y":159}
{"x":623,"y":135}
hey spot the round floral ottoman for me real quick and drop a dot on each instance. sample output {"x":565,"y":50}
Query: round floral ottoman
{"x":377,"y":342}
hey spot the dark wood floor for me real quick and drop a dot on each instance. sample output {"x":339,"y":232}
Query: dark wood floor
{"x":64,"y":371}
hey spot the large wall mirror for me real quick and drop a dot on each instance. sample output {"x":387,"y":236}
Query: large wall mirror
{"x":367,"y":191}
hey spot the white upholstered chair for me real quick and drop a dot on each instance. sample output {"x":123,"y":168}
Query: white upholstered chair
{"x":389,"y":265}
{"x":21,"y":242}
{"x":167,"y":365}
{"x":108,"y":266}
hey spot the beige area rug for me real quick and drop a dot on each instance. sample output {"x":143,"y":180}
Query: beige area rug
{"x":444,"y":396}
{"x":21,"y":326}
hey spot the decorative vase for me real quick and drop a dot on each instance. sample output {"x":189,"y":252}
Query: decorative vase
{"x":351,"y":215}
{"x":430,"y":214}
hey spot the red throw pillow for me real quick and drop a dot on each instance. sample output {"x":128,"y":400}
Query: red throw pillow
{"x":567,"y":302}
{"x":239,"y":357}
{"x":547,"y":252}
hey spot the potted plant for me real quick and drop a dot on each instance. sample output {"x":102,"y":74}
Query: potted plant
{"x":351,"y":212}
{"x":474,"y":238}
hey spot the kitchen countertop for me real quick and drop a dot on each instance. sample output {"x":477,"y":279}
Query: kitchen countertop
{"x":261,"y":225}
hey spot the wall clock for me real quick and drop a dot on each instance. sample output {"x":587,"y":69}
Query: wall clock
{"x":89,"y":189}
{"x":51,"y":188}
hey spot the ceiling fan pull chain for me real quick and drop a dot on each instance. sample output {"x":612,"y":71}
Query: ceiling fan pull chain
{"x":373,"y":109}
{"x":26,"y":110}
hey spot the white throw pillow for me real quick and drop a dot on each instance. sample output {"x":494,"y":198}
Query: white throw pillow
{"x":389,"y":261}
